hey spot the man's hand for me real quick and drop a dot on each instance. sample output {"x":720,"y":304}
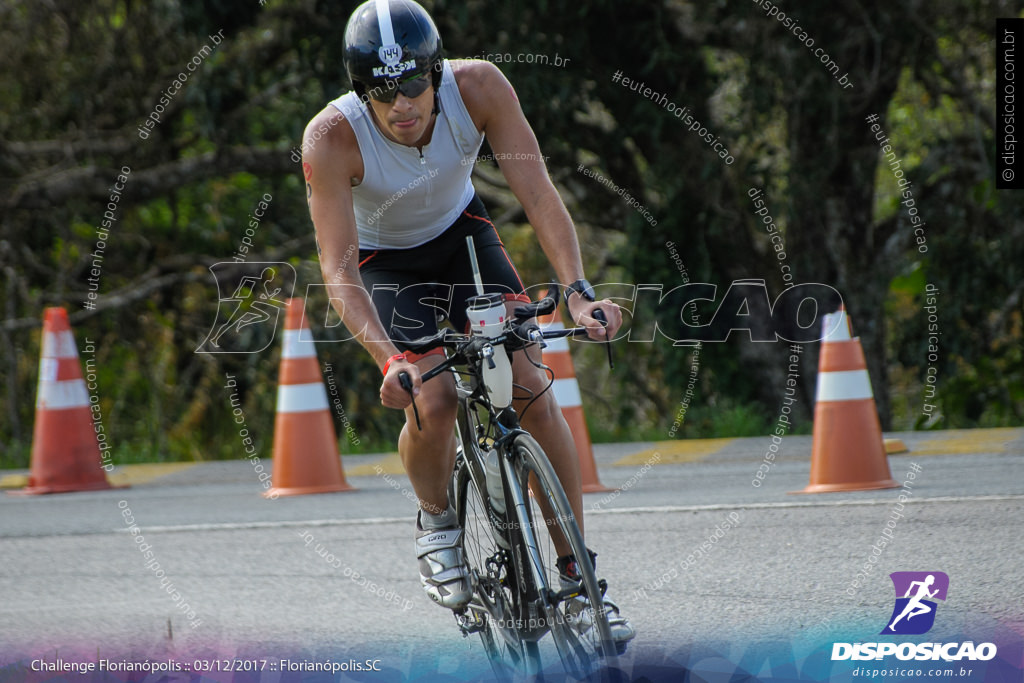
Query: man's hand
{"x":582,"y":313}
{"x":392,"y":393}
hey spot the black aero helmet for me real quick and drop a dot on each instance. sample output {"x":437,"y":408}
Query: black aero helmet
{"x":388,"y":43}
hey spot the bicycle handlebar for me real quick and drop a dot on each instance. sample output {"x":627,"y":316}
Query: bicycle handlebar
{"x":519,"y":333}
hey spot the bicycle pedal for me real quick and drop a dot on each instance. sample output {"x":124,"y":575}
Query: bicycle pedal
{"x":565,"y":594}
{"x":468,"y":623}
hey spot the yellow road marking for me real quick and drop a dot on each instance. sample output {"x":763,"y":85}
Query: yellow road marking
{"x":390,"y":464}
{"x":123,"y":475}
{"x":893,"y":446}
{"x":960,"y":441}
{"x":675,"y":452}
{"x":14,"y":481}
{"x":144,"y":473}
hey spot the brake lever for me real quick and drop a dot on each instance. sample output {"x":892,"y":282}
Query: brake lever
{"x":406,"y":382}
{"x":599,"y":316}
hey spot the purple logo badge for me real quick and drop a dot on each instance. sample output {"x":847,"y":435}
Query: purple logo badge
{"x":916,"y":592}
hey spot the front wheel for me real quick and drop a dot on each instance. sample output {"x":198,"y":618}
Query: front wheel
{"x":576,"y":617}
{"x":492,"y":611}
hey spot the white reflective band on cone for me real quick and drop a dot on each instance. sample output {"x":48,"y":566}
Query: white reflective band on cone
{"x":301,"y":398}
{"x":837,"y":325}
{"x":567,"y":393}
{"x":61,"y":395}
{"x":48,"y":369}
{"x":557,"y":345}
{"x":298,"y":344}
{"x":849,"y":385}
{"x":59,"y":345}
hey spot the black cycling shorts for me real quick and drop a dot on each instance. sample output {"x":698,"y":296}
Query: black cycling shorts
{"x":415,"y":289}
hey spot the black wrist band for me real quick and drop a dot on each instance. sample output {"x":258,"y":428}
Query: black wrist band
{"x":581,"y":287}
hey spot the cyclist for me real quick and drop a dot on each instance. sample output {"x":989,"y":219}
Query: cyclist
{"x":387,"y":170}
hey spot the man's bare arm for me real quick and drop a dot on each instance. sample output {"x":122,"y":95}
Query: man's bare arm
{"x":329,"y":165}
{"x":495,"y":108}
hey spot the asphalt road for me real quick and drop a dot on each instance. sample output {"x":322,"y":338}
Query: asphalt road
{"x":769,"y":591}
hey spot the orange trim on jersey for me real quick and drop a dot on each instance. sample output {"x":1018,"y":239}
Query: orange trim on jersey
{"x":413,"y":357}
{"x":521,"y":285}
{"x":367,"y":258}
{"x":481,"y":218}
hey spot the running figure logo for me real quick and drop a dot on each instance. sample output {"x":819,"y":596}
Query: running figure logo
{"x":914,"y":612}
{"x":247,"y":319}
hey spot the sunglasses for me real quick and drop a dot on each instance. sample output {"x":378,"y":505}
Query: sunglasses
{"x":414,"y":87}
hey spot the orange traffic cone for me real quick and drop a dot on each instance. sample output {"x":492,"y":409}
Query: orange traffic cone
{"x":567,"y":393}
{"x":848,"y":453}
{"x":305,"y":455}
{"x":65,"y":452}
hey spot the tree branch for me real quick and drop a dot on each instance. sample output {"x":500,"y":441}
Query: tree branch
{"x":95,"y":182}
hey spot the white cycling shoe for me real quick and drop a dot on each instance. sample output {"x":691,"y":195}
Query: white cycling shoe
{"x":443,"y":571}
{"x":582,"y":620}
{"x":579,"y":614}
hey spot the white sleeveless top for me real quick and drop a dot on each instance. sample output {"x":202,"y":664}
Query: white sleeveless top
{"x":407,"y":199}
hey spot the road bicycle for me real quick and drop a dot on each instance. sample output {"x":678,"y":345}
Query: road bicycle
{"x":511,"y":504}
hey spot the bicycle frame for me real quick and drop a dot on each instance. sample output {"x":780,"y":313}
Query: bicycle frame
{"x":506,"y":422}
{"x":526,"y":593}
{"x":472,"y":396}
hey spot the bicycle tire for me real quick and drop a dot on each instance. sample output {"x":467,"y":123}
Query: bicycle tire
{"x":492,"y":611}
{"x":582,"y":649}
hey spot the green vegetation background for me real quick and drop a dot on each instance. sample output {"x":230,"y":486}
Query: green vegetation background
{"x":78,"y":79}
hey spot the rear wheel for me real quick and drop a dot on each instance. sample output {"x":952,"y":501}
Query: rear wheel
{"x":575,"y":615}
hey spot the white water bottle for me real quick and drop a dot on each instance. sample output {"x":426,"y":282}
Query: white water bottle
{"x":486,"y":314}
{"x":494,"y":489}
{"x":498,"y":380}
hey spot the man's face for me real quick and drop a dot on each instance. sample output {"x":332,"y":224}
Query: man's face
{"x":406,"y":119}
